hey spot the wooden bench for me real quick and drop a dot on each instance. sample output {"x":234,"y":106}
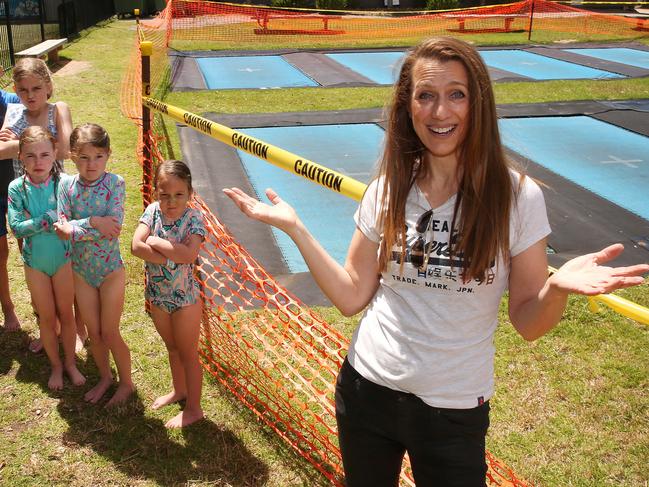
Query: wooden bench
{"x":50,"y":47}
{"x":462,"y":19}
{"x":263,"y":18}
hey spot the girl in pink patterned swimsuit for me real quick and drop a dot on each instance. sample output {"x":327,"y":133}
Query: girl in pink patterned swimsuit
{"x":91,"y":210}
{"x":168,"y":238}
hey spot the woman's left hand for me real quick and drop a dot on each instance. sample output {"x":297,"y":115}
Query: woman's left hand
{"x":585,"y":274}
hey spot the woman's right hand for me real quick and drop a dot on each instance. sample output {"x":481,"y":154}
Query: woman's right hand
{"x":280,"y":214}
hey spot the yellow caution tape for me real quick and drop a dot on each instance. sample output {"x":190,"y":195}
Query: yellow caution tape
{"x":305,"y":168}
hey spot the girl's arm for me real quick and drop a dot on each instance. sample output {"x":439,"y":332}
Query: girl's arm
{"x":537,"y":302}
{"x":350,"y":287}
{"x":8,"y":142}
{"x":178,"y":252}
{"x":63,"y":129}
{"x":21,"y":225}
{"x":139,"y":247}
{"x":82,"y":229}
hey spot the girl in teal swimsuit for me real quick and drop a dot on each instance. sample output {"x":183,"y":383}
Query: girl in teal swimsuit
{"x":91,"y":210}
{"x":168,"y":239}
{"x":32,"y":213}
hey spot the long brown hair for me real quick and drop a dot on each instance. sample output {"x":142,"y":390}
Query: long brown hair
{"x":485,"y":192}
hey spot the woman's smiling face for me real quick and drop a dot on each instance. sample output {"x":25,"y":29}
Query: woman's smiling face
{"x":439,"y":106}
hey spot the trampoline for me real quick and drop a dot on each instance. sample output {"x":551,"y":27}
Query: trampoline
{"x":380,"y":67}
{"x":624,"y":55}
{"x":595,"y":168}
{"x":539,"y":67}
{"x":607,"y":160}
{"x":241,"y":72}
{"x":349,"y":149}
{"x":203,"y":70}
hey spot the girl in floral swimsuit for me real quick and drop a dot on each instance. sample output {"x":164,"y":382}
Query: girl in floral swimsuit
{"x":168,"y":238}
{"x":32,"y":213}
{"x":91,"y":210}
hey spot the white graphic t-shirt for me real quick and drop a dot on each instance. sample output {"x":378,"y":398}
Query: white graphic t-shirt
{"x":425,"y":331}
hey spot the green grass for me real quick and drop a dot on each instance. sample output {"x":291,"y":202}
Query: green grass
{"x":570,"y":409}
{"x":308,"y":99}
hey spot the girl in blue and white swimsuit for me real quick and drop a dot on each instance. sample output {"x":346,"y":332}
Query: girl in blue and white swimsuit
{"x":32,"y":213}
{"x":33,"y":85}
{"x":91,"y":211}
{"x":168,"y":239}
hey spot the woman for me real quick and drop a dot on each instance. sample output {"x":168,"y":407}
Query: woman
{"x":443,"y":230}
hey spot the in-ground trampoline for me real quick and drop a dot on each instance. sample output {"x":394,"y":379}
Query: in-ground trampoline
{"x":367,"y":67}
{"x":593,"y":157}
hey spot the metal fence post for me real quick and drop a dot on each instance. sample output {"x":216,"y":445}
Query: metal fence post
{"x":146,"y":49}
{"x":10,"y":38}
{"x":41,"y":8}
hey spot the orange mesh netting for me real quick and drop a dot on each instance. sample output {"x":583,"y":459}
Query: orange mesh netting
{"x":277,"y":356}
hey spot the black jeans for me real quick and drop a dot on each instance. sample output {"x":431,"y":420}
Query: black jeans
{"x":377,"y":425}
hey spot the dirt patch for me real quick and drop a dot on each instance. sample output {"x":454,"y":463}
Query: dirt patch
{"x":72,"y":68}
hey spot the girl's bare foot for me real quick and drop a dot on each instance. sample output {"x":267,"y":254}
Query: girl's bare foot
{"x":11,"y":322}
{"x":167,"y":399}
{"x":122,"y":393}
{"x":75,"y":376}
{"x":56,"y":379}
{"x":96,"y":393}
{"x":185,"y":418}
{"x":36,"y":345}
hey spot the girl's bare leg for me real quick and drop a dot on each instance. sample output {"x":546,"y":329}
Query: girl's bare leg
{"x":111,"y":295}
{"x":40,"y":287}
{"x":162,"y":322}
{"x":186,"y":326}
{"x":89,"y":305}
{"x":64,"y":297}
{"x":11,"y":322}
{"x":82,"y":333}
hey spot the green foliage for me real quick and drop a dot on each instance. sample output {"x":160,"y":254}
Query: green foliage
{"x":442,"y":4}
{"x":290,"y":3}
{"x":331,"y":4}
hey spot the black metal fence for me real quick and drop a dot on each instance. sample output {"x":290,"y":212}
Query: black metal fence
{"x":24,"y":23}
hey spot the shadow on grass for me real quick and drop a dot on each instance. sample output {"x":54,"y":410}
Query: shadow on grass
{"x":142,"y":448}
{"x":303,"y":468}
{"x":32,"y":367}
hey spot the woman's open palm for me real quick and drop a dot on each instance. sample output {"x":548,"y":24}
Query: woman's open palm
{"x":280,"y":214}
{"x":586,"y":275}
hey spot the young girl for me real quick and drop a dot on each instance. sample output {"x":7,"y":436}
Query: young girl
{"x":168,"y":238}
{"x":91,"y":210}
{"x":33,"y":85}
{"x":32,"y":212}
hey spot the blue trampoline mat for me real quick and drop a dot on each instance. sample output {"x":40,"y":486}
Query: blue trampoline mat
{"x":381,"y":67}
{"x":624,"y":55}
{"x":602,"y":158}
{"x":349,"y":149}
{"x":251,"y":72}
{"x":540,"y":67}
{"x":605,"y":159}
